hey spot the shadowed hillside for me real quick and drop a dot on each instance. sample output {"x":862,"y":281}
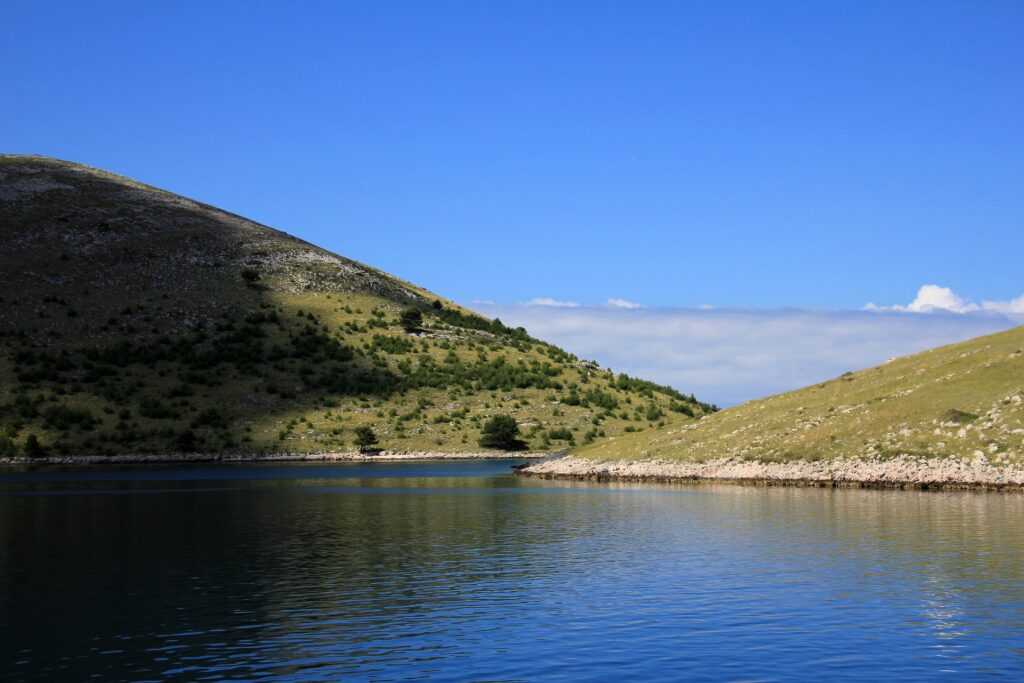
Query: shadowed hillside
{"x":135,"y":320}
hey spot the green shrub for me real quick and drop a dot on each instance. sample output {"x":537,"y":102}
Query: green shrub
{"x":64,"y":418}
{"x":366,"y":438}
{"x":186,"y":441}
{"x":601,"y":399}
{"x":501,"y":432}
{"x":411,"y":320}
{"x":960,"y":417}
{"x":679,"y":407}
{"x":33,"y":448}
{"x":560,"y":434}
{"x":211,"y":417}
{"x":154,"y":409}
{"x":396,"y":345}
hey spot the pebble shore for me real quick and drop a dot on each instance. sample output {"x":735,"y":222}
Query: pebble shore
{"x":389,"y":456}
{"x":903,"y":472}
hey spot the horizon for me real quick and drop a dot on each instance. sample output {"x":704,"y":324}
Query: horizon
{"x":543,"y":160}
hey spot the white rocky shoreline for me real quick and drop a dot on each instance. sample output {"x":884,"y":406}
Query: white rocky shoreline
{"x":902,"y":472}
{"x":180,"y":458}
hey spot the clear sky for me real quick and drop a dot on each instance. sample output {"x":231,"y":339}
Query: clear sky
{"x":753,"y":156}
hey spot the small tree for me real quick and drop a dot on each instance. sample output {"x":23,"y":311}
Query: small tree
{"x":33,"y":448}
{"x":501,"y":432}
{"x":411,"y":320}
{"x":366,"y":438}
{"x":250,"y":275}
{"x":186,"y":442}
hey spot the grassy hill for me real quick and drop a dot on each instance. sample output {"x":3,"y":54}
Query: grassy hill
{"x":134,"y":320}
{"x":961,"y":401}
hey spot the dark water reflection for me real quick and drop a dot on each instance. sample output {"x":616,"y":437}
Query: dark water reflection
{"x":462,"y":572}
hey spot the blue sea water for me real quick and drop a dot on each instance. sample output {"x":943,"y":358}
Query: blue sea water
{"x":462,"y":572}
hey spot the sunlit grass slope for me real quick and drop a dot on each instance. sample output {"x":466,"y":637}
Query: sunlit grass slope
{"x":958,"y":401}
{"x":133,"y":320}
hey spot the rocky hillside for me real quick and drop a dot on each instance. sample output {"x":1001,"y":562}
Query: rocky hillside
{"x":963,"y":402}
{"x":135,"y":320}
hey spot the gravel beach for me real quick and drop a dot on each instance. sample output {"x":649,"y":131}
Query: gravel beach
{"x":899,"y":472}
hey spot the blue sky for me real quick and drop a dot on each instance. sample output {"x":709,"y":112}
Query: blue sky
{"x":741,"y":155}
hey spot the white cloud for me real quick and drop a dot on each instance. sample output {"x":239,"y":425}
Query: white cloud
{"x":1013,"y":307}
{"x":933,"y":298}
{"x":551,"y":303}
{"x":623,"y":303}
{"x":729,"y":356}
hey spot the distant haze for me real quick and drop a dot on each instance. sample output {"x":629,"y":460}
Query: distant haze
{"x":731,"y":356}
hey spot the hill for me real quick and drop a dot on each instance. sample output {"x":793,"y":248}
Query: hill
{"x":954,"y":413}
{"x":134,"y":320}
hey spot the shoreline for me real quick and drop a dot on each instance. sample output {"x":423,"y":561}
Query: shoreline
{"x":230,"y":458}
{"x":901,"y":472}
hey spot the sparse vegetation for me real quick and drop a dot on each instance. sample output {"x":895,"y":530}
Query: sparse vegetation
{"x":199,"y":331}
{"x":964,"y":401}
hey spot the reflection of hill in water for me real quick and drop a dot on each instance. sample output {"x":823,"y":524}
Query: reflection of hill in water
{"x":364,"y":573}
{"x":959,"y":533}
{"x":196,"y":553}
{"x":948,"y":558}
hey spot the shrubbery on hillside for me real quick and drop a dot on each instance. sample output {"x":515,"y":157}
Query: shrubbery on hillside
{"x":501,"y":432}
{"x":227,"y":336}
{"x":411,"y":320}
{"x":366,"y":438}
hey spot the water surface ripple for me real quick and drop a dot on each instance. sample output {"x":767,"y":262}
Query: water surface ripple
{"x":460,"y":571}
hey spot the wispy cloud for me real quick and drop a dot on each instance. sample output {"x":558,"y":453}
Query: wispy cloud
{"x":551,"y":302}
{"x":729,"y":356}
{"x":623,"y":303}
{"x":548,"y":302}
{"x":933,"y":298}
{"x":1013,"y":307}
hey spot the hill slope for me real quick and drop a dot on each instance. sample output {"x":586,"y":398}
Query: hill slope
{"x":135,"y":320}
{"x":961,"y":402}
